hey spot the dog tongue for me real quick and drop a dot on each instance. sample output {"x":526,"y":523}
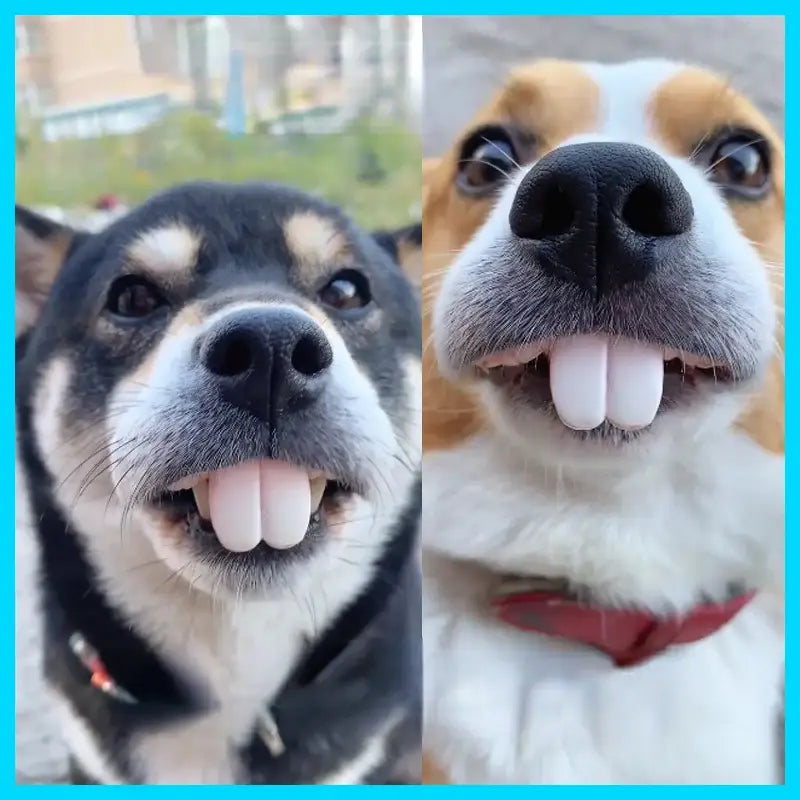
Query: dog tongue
{"x":593,"y":379}
{"x":256,"y":500}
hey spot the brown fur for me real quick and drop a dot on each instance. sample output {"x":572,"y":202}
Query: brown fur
{"x":551,"y":100}
{"x":189,"y":317}
{"x":431,"y":774}
{"x":409,"y":255}
{"x":685,"y":110}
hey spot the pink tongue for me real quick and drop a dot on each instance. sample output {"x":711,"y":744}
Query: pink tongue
{"x":593,"y":378}
{"x":256,"y":500}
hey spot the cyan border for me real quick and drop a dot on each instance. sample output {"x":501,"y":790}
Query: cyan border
{"x":463,"y":7}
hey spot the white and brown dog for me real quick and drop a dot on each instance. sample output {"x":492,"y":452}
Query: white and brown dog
{"x":603,"y":412}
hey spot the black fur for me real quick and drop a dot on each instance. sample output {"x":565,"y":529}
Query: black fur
{"x":390,"y":240}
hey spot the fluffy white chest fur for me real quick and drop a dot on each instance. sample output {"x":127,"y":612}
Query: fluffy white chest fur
{"x":239,"y":652}
{"x":507,"y":706}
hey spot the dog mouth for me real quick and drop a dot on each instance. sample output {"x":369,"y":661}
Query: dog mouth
{"x":260,"y":503}
{"x":593,"y":381}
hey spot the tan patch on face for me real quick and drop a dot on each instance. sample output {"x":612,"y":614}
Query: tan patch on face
{"x":315,"y":243}
{"x":337,"y":343}
{"x":429,"y":167}
{"x":319,"y":316}
{"x":172,"y":533}
{"x":549,"y":100}
{"x":188,"y":318}
{"x":409,"y":255}
{"x":169,"y":252}
{"x":687,"y":109}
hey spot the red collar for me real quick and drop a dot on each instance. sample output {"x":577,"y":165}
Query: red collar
{"x":627,"y":636}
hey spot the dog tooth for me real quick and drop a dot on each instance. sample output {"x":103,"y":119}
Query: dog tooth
{"x":635,"y":384}
{"x":201,"y":498}
{"x":317,"y":488}
{"x":578,"y":383}
{"x":234,"y":495}
{"x":285,"y":504}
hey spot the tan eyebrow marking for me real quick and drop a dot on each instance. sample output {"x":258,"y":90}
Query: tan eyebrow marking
{"x":166,"y":250}
{"x":315,"y":243}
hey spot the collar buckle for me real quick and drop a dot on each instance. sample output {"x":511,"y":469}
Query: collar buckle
{"x":100,"y":677}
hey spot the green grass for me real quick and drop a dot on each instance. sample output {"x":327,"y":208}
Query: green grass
{"x":187,"y":146}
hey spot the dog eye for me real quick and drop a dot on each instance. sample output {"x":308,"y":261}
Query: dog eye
{"x":347,"y":290}
{"x":487,"y":158}
{"x":740,"y":163}
{"x":132,"y":296}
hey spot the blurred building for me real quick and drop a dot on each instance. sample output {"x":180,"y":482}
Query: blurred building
{"x":85,"y":76}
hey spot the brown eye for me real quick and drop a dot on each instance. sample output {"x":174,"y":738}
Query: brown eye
{"x":488,"y":157}
{"x":132,"y":296}
{"x":347,"y":290}
{"x":739,"y":164}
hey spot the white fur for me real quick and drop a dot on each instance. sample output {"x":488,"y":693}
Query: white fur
{"x":82,"y":743}
{"x":625,"y":91}
{"x":685,"y":511}
{"x":506,"y":706}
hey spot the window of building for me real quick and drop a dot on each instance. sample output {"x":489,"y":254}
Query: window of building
{"x":47,"y":97}
{"x":32,"y":102}
{"x":33,"y":36}
{"x":144,"y":25}
{"x":182,"y":43}
{"x":218,"y":41}
{"x":21,"y":35}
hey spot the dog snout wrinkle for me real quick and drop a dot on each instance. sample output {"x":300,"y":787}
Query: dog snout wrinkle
{"x":267,"y":361}
{"x":601,"y":215}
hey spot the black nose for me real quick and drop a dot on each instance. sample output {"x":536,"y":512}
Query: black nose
{"x":267,"y":361}
{"x":602,"y":214}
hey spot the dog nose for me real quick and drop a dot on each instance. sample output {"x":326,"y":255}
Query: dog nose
{"x":267,"y":361}
{"x":602,"y":214}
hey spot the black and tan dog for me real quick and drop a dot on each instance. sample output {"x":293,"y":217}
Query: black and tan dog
{"x":219,"y":423}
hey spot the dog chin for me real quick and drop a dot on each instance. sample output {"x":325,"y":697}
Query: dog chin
{"x":192,"y":553}
{"x":540,"y":436}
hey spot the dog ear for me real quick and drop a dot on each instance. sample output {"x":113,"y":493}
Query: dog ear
{"x":405,"y":247}
{"x":40,"y":248}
